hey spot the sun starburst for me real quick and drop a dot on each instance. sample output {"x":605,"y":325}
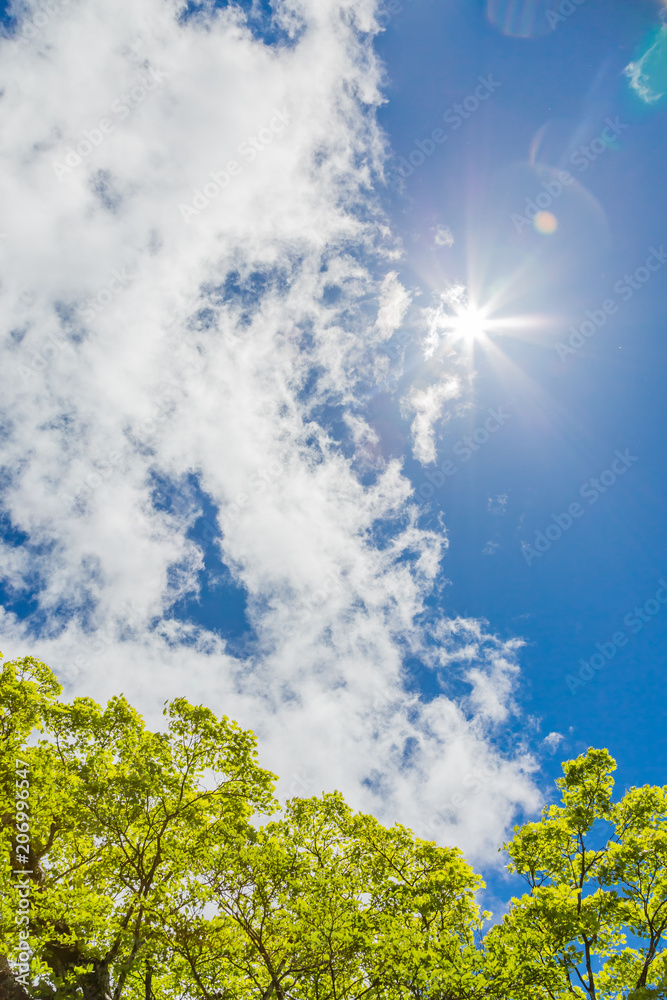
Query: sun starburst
{"x":470,"y":323}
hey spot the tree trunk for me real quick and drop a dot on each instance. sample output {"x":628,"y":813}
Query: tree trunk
{"x":9,"y":988}
{"x":95,"y":985}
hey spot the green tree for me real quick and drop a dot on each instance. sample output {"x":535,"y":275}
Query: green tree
{"x":149,"y":879}
{"x":325,"y":903}
{"x":117,"y":814}
{"x":594,"y":923}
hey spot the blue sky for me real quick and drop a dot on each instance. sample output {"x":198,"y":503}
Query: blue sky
{"x":568,"y":419}
{"x":300,"y":458}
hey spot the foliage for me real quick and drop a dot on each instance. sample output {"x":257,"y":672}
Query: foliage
{"x":117,"y":816}
{"x":595,"y":920}
{"x":149,"y":878}
{"x":325,"y":903}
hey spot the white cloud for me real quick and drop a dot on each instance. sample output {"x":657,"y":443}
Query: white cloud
{"x":552,"y":741}
{"x":454,"y":295}
{"x":209,"y":371}
{"x":368,"y":451}
{"x":443,"y":237}
{"x":394,"y":304}
{"x":497,"y":504}
{"x":648,"y":76}
{"x":438,"y":318}
{"x":427,"y":405}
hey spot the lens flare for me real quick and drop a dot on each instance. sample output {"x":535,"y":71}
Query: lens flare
{"x":470,"y":326}
{"x":467,"y":324}
{"x":521,"y":18}
{"x":470,"y":323}
{"x":545,"y":223}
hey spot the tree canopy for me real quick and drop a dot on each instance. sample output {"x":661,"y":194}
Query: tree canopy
{"x":134,"y":867}
{"x":595,"y":917}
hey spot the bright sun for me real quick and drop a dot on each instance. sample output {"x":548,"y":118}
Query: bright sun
{"x":470,"y":323}
{"x":462,"y":323}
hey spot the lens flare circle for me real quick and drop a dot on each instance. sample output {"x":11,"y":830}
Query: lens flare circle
{"x":545,"y":223}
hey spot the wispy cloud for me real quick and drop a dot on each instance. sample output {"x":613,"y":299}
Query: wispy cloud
{"x":443,"y":237}
{"x":648,"y":75}
{"x":220,"y":364}
{"x":552,"y":741}
{"x":497,"y":504}
{"x":427,"y":405}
